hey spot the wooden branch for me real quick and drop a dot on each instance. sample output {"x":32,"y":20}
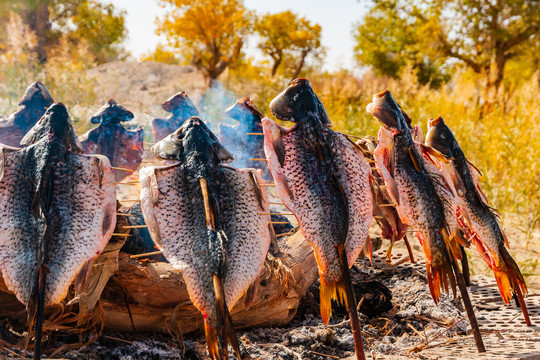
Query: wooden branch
{"x":521,"y":37}
{"x":282,"y":284}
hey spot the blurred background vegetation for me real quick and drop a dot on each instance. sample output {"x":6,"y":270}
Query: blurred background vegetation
{"x":475,"y":62}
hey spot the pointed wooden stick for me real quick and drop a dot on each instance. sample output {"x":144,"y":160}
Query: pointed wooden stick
{"x":122,"y":214}
{"x":255,"y":134}
{"x":122,"y":169}
{"x":285,"y":234}
{"x":285,"y":214}
{"x":120,"y":234}
{"x":145,"y":254}
{"x":279,"y":222}
{"x":258,"y":160}
{"x":382,"y":205}
{"x":132,"y":183}
{"x":275,"y":203}
{"x":130,"y":199}
{"x":135,"y":227}
{"x":268,"y":185}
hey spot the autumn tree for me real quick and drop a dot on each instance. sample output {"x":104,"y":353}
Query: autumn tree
{"x":210,"y":33}
{"x":481,"y":34}
{"x":287,"y":35}
{"x":96,"y":23}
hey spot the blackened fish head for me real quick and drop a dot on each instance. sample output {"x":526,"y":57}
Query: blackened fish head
{"x":193,"y":140}
{"x":111,"y":113}
{"x":387,"y":111}
{"x":37,"y":96}
{"x":180,"y":105}
{"x":245,"y":111}
{"x":441,"y":138}
{"x":55,"y":124}
{"x":298,"y":102}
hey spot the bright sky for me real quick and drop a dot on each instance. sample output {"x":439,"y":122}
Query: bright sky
{"x":335,"y":16}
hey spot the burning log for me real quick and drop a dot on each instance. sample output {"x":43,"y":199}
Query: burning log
{"x":181,"y":107}
{"x":34,"y":102}
{"x":124,"y":148}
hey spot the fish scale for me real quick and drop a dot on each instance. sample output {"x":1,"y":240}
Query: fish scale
{"x":173,"y":208}
{"x":81,"y":217}
{"x":301,"y":186}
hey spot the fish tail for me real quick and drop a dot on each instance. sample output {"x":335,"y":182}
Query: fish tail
{"x":331,"y":290}
{"x":438,"y":278}
{"x":510,"y":281}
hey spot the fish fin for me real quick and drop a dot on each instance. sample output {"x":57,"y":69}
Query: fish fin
{"x":329,"y":291}
{"x":457,"y":181}
{"x":211,"y":340}
{"x":82,"y":276}
{"x":414,"y":159}
{"x":231,"y":336}
{"x":250,"y":293}
{"x":519,"y":287}
{"x":433,"y":153}
{"x":474,"y":167}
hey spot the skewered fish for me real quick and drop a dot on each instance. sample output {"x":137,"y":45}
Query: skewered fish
{"x":478,"y":220}
{"x":57,"y":213}
{"x":124,"y":148}
{"x":323,"y":178}
{"x":181,"y":107}
{"x":34,"y":102}
{"x":211,"y":221}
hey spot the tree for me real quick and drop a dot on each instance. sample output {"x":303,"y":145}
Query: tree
{"x":100,"y":25}
{"x":210,"y":33}
{"x":481,"y":34}
{"x":286,"y":35}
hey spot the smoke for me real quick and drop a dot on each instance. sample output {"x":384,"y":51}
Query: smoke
{"x":213,"y":103}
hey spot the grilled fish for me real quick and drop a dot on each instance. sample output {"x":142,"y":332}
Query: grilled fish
{"x":181,"y":107}
{"x":57,"y":213}
{"x":211,"y":221}
{"x":323,"y":178}
{"x":413,"y":191}
{"x":34,"y":102}
{"x":124,"y":148}
{"x":478,"y":220}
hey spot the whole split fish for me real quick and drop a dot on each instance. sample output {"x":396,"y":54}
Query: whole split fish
{"x":477,"y":219}
{"x":244,"y":140}
{"x":57,"y":212}
{"x":323,"y":178}
{"x":413,"y":191}
{"x":181,"y":108}
{"x":124,"y":148}
{"x":211,"y":221}
{"x":34,"y":103}
{"x":418,"y":202}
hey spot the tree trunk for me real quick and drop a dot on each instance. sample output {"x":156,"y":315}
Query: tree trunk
{"x":37,"y":19}
{"x":494,"y":78}
{"x":300,"y":63}
{"x":277,"y":62}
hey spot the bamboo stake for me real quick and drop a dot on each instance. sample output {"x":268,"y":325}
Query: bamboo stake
{"x":255,"y":134}
{"x":145,"y":254}
{"x":382,"y":205}
{"x":135,"y":227}
{"x":120,"y":234}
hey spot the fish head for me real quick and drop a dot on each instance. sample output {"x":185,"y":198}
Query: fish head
{"x":193,"y":140}
{"x":180,"y":105}
{"x":54,"y":125}
{"x":245,"y":111}
{"x":441,"y":138}
{"x":111,"y":113}
{"x":37,"y":96}
{"x":298,"y":102}
{"x":388,"y":112}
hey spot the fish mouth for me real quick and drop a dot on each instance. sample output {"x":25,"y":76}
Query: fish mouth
{"x":433,"y":122}
{"x":387,"y":111}
{"x":439,"y":137}
{"x":297,"y":102}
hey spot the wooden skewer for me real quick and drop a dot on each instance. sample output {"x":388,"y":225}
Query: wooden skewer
{"x":130,"y":199}
{"x":135,"y":227}
{"x":258,"y":160}
{"x":279,"y":222}
{"x":275,"y":214}
{"x":374,"y":168}
{"x":133,"y":183}
{"x":285,"y":234}
{"x":119,"y":234}
{"x":121,"y":214}
{"x":275,"y":203}
{"x":387,"y":205}
{"x":145,"y":254}
{"x":255,"y":134}
{"x":121,"y":169}
{"x":378,"y":217}
{"x":268,"y":185}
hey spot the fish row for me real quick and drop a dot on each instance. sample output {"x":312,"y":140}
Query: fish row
{"x":212,"y":221}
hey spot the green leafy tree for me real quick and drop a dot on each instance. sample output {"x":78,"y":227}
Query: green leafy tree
{"x":481,"y":34}
{"x":285,"y":35}
{"x":210,"y":33}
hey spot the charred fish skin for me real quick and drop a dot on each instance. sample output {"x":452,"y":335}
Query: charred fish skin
{"x":417,"y":200}
{"x":484,"y":228}
{"x":323,"y":179}
{"x":181,"y":107}
{"x":57,"y":214}
{"x":124,"y":148}
{"x":35,"y":101}
{"x":227,"y":237}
